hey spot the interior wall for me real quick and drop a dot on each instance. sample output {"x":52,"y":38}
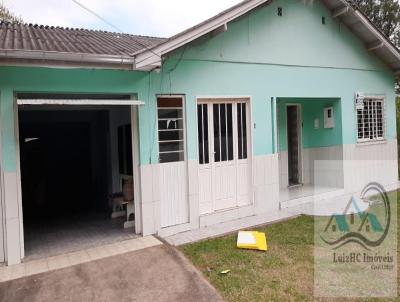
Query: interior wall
{"x":318,"y":143}
{"x":118,"y":116}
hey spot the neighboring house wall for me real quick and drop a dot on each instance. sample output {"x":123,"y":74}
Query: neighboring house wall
{"x":261,"y":56}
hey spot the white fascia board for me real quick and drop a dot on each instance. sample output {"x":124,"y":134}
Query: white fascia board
{"x":340,"y":11}
{"x":79,"y":102}
{"x":151,"y":57}
{"x":66,"y":56}
{"x":378,"y":34}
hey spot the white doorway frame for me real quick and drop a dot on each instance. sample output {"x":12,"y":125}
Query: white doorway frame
{"x":132,"y":103}
{"x":299,"y":139}
{"x":232,"y":100}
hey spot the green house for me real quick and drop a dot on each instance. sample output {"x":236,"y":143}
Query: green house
{"x":267,"y":106}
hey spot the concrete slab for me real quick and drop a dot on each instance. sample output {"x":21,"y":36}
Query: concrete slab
{"x":158,"y":273}
{"x":34,"y":267}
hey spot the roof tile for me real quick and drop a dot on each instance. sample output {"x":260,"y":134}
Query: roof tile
{"x":21,"y":36}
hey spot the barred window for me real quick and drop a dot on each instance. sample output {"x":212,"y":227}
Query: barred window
{"x":370,"y":120}
{"x":171,"y":129}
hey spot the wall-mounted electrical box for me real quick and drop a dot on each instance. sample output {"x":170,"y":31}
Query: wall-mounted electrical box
{"x":316,"y":123}
{"x":329,"y":120}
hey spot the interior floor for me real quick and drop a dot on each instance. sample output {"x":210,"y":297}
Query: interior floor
{"x":73,"y":233}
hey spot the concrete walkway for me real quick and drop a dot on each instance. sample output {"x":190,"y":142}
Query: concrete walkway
{"x":325,"y":207}
{"x":68,"y":259}
{"x":228,"y":227}
{"x":158,"y":273}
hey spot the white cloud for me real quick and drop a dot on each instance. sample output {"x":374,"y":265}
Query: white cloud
{"x":145,"y":17}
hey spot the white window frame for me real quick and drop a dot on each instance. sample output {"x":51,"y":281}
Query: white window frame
{"x":375,"y":99}
{"x":183,"y":119}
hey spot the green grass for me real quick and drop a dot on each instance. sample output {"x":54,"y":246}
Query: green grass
{"x":283,"y":273}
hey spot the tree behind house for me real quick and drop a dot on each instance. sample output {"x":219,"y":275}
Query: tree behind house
{"x":7,"y":15}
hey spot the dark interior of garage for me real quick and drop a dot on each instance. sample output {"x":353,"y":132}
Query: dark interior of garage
{"x":71,"y":161}
{"x":64,"y":162}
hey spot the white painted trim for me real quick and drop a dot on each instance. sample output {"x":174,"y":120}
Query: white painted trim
{"x":374,"y":46}
{"x":185,"y":156}
{"x":18,"y":175}
{"x":365,"y":141}
{"x":275,"y":124}
{"x":250,"y":152}
{"x":378,"y":34}
{"x":136,"y":170}
{"x":79,"y":102}
{"x":3,"y":243}
{"x":338,"y":12}
{"x":152,"y":57}
{"x":371,"y":142}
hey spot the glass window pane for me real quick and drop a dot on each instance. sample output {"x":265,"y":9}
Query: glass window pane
{"x":223,"y":132}
{"x":244,"y":130}
{"x":169,"y":102}
{"x":200,"y":132}
{"x":205,"y":134}
{"x":170,"y":124}
{"x":171,"y":146}
{"x":217,"y":150}
{"x":239,"y":127}
{"x":172,"y":135}
{"x":230,"y":132}
{"x":171,"y":157}
{"x":169,"y":113}
{"x":170,"y":129}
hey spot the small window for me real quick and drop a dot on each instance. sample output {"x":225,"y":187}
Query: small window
{"x":171,"y":131}
{"x":280,"y":13}
{"x":370,"y":120}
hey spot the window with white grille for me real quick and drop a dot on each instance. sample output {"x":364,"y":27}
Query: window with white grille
{"x":370,"y":120}
{"x":171,"y":129}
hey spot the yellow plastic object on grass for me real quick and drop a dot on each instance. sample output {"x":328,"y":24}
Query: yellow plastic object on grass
{"x":252,"y":240}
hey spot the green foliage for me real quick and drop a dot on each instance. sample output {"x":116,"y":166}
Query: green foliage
{"x":7,"y":15}
{"x":385,"y":14}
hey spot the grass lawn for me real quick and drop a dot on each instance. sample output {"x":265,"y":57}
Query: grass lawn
{"x":283,"y":273}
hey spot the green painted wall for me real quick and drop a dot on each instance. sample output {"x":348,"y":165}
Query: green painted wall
{"x":261,"y":55}
{"x":310,"y":110}
{"x":18,"y":79}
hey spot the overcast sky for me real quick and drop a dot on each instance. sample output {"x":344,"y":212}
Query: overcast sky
{"x":145,"y":17}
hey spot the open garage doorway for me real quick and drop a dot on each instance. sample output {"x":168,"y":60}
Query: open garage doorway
{"x":78,"y":171}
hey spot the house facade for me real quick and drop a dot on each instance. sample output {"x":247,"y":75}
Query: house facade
{"x":228,"y":118}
